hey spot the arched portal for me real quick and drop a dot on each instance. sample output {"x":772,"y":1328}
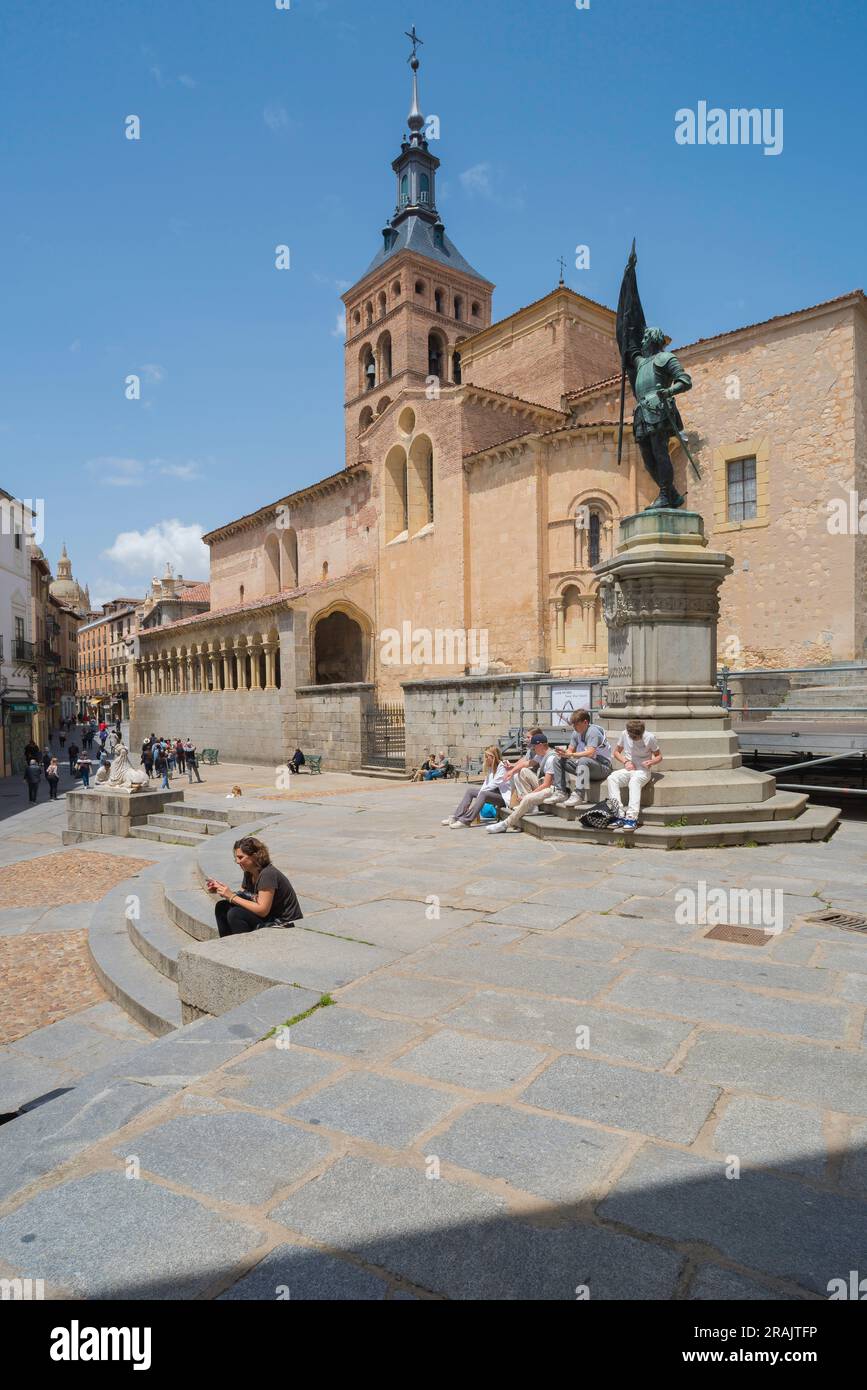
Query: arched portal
{"x":338,"y":650}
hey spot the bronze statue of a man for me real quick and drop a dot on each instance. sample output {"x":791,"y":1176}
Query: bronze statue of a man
{"x":656,"y":377}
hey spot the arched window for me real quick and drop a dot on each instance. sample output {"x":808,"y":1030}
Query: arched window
{"x":435,"y":355}
{"x":593,"y":538}
{"x":396,"y":494}
{"x":382,"y":303}
{"x":404,"y":190}
{"x":459,"y":307}
{"x":289,"y":559}
{"x":365,"y":419}
{"x":438,"y":301}
{"x":424,"y":189}
{"x":384,"y":347}
{"x":369,"y":368}
{"x":368,"y":309}
{"x":475,"y":311}
{"x":456,"y":368}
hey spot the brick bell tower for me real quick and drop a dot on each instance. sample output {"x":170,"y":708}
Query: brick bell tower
{"x":418,"y":299}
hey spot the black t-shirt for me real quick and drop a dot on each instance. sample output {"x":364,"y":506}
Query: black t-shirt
{"x":285,"y":908}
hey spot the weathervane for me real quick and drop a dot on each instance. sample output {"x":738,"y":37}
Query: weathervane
{"x":415,"y":40}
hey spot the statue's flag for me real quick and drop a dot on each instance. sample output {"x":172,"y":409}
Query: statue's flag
{"x":631,"y":324}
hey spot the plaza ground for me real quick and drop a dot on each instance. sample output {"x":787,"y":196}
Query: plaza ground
{"x":535,"y":1079}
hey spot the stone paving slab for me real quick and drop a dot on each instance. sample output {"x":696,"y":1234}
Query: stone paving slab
{"x":712,"y":1284}
{"x":563,"y":1025}
{"x":105,"y":1236}
{"x":832,"y":1078}
{"x":387,"y":1112}
{"x":771,"y":1133}
{"x":751,"y":971}
{"x":667,"y":1107}
{"x":239,"y":1157}
{"x":551,"y":1158}
{"x":399,"y":926}
{"x":270,"y":1079}
{"x":353,"y":1034}
{"x":403,"y":994}
{"x":300,"y":1273}
{"x":494,"y":967}
{"x":451,"y":1239}
{"x":759,"y":1220}
{"x":477,"y":1063}
{"x":730,"y":1004}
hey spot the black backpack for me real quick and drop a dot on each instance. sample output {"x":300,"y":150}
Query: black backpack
{"x":600,"y":816}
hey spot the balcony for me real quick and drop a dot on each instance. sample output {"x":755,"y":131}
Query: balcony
{"x":25,"y":651}
{"x":48,"y":653}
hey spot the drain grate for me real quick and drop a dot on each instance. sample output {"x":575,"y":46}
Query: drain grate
{"x":742,"y":936}
{"x":846,"y":921}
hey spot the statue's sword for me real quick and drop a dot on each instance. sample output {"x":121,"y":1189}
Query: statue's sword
{"x":680,"y":434}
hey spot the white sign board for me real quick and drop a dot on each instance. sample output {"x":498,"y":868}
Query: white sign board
{"x":565,"y":699}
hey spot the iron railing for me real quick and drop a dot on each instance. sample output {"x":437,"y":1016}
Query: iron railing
{"x":385,"y":736}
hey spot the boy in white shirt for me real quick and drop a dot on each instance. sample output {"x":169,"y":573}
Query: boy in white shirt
{"x":638,"y":751}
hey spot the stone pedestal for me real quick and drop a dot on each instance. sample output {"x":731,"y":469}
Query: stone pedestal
{"x":96,"y":812}
{"x":660,"y":599}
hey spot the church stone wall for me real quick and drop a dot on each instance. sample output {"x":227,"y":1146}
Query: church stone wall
{"x":247,"y":726}
{"x":330,"y":721}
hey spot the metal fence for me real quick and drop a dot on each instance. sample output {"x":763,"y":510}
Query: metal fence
{"x":385,"y":736}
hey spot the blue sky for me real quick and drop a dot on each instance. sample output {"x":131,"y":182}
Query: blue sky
{"x":262,"y":126}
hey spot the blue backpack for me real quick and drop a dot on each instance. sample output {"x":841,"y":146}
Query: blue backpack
{"x":488,"y":811}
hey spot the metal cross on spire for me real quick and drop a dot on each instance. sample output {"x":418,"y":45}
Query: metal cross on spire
{"x":562,"y":264}
{"x":414,"y":38}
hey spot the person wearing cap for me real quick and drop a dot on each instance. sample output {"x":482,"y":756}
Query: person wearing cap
{"x":539,"y":775}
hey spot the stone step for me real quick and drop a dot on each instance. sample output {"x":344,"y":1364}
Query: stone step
{"x":126,"y":976}
{"x":189,"y":825}
{"x":167,"y":837}
{"x":153,"y":934}
{"x":202,"y":813}
{"x":816,"y":823}
{"x":682,"y":789}
{"x":699,"y":762}
{"x":388,"y":774}
{"x":186,"y":904}
{"x":785,"y":805}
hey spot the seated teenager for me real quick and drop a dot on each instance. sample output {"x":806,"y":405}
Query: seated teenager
{"x":637,"y":751}
{"x":588,"y":757}
{"x":534,"y":777}
{"x":266,"y":898}
{"x":495,"y":790}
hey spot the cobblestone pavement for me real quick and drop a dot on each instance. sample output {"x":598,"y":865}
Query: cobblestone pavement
{"x":558,"y":1084}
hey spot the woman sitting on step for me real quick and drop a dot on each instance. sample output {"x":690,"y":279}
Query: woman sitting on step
{"x":266,"y":898}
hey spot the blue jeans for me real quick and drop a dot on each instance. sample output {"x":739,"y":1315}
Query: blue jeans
{"x":85,"y":777}
{"x":435,"y":772}
{"x":165,"y":781}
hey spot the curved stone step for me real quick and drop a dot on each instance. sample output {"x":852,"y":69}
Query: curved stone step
{"x":127,"y":977}
{"x":154,"y":935}
{"x":185,"y":903}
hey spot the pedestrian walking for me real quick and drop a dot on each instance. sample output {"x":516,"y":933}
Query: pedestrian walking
{"x":46,"y":759}
{"x":191,"y":758}
{"x":33,"y":776}
{"x":73,"y":758}
{"x":179,"y":756}
{"x":161,"y":767}
{"x":52,"y":774}
{"x":84,"y":766}
{"x":147,"y":757}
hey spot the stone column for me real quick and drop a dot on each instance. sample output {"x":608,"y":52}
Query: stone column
{"x":270,"y":649}
{"x":224,"y":658}
{"x":560,"y":612}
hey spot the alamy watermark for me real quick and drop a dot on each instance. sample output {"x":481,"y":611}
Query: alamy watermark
{"x":424,"y":646}
{"x":737,"y":126}
{"x":730,"y":907}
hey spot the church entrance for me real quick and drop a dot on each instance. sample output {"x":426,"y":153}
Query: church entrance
{"x":385,"y":736}
{"x":338,"y":650}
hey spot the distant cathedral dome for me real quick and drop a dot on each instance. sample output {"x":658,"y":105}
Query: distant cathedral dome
{"x":66,"y":589}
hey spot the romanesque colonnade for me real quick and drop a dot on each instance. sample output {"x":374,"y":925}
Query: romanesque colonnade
{"x":234,"y":662}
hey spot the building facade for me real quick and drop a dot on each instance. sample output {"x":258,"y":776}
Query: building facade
{"x":17,"y":650}
{"x":455,"y":551}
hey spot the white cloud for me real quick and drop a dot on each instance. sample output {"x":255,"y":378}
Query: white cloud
{"x":116,"y":472}
{"x":142,"y":554}
{"x":75,"y":345}
{"x":339,"y":329}
{"x":154,"y":373}
{"x":275,"y":116}
{"x":187,"y":81}
{"x":187,"y":471}
{"x":477,"y":180}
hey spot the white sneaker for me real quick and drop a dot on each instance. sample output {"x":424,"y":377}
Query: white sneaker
{"x":454,"y":824}
{"x":576,"y":799}
{"x":556,"y":798}
{"x":449,"y":820}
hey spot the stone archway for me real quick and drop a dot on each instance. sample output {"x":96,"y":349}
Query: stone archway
{"x":338,"y":650}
